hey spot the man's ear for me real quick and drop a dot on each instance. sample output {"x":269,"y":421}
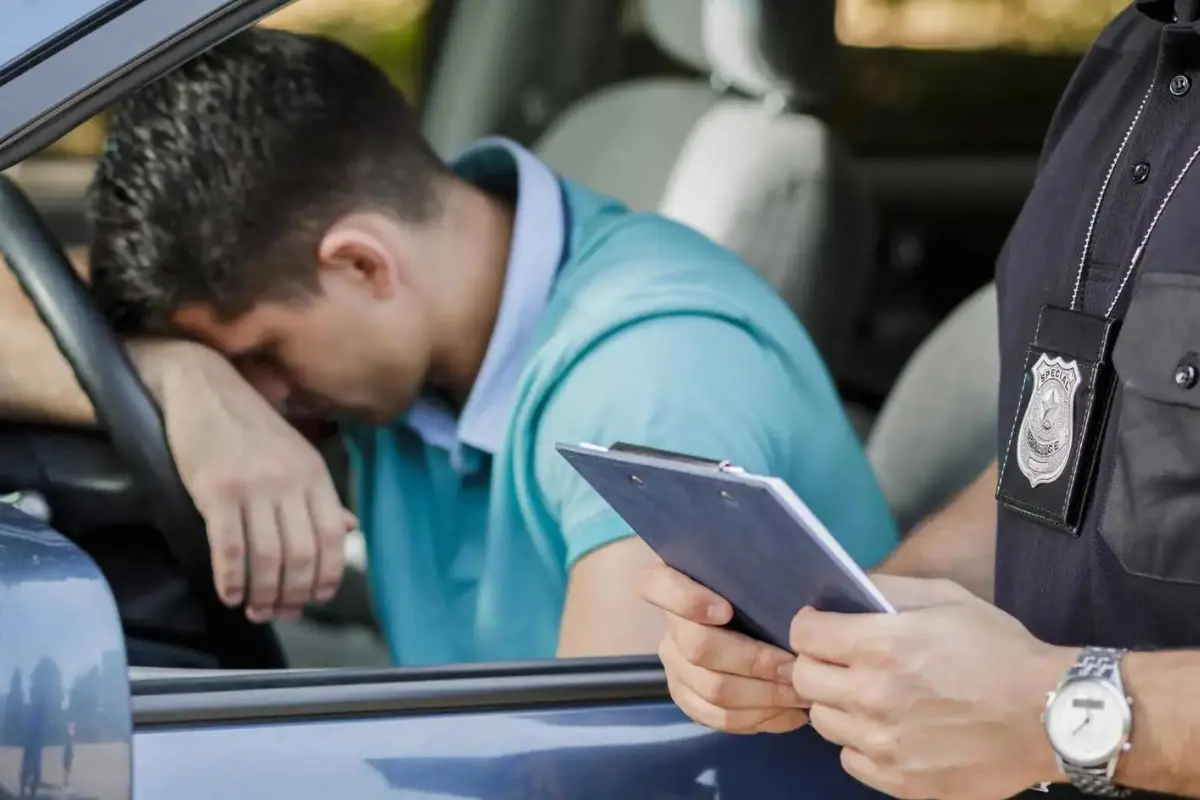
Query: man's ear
{"x":359,"y":248}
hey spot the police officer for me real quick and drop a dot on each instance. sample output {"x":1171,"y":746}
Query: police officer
{"x":1085,"y":534}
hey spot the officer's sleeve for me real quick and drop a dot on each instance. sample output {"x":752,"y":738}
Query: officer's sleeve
{"x":690,"y":384}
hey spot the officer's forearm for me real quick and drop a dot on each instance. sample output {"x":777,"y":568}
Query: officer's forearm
{"x":1165,"y":688}
{"x":958,"y":542}
{"x":36,"y":382}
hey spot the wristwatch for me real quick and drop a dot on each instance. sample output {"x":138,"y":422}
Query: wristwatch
{"x":1089,"y":718}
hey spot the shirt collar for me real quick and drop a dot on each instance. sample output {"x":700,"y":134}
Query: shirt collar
{"x":1170,"y":10}
{"x":538,"y":241}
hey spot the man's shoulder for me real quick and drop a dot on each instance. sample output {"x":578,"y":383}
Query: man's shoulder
{"x":630,"y":284}
{"x":626,"y":269}
{"x":619,"y":252}
{"x":604,"y":226}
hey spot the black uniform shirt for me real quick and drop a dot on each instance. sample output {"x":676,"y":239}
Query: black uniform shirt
{"x":1131,"y":577}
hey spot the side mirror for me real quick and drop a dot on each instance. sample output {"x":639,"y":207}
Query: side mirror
{"x":66,"y":721}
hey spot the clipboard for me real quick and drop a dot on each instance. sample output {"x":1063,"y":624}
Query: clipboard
{"x":747,"y":537}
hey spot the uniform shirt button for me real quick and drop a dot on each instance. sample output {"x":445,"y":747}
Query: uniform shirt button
{"x":1186,"y":375}
{"x":1180,"y":85}
{"x":1141,"y":171}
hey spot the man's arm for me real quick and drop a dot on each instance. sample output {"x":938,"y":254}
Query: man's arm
{"x":36,"y":383}
{"x":603,"y":616}
{"x":655,"y":384}
{"x":262,"y":489}
{"x":958,"y":542}
{"x":689,"y":384}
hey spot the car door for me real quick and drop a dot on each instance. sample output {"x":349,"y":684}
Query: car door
{"x":580,"y":729}
{"x":75,"y":722}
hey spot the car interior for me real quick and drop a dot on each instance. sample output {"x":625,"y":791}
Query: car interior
{"x":871,"y":180}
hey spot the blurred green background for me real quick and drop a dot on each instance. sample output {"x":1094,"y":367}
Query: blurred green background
{"x":890,"y":35}
{"x":1039,"y":26}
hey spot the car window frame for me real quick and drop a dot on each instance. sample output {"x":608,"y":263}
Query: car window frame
{"x":241,"y":696}
{"x":103,"y":11}
{"x":53,"y":95}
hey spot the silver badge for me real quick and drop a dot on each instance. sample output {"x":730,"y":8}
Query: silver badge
{"x":1044,"y":442}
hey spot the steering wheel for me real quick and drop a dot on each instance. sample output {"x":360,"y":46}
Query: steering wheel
{"x":124,"y":408}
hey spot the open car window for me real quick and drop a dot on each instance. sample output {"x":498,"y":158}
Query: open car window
{"x":909,"y":95}
{"x":390,"y":32}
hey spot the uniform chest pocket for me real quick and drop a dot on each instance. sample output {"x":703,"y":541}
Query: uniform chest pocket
{"x":1151,"y":515}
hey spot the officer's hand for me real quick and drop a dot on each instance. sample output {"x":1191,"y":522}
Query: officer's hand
{"x":275,"y":524}
{"x":719,"y":678}
{"x":941,"y":700}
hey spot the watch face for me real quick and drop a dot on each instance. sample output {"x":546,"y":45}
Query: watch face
{"x":1087,"y":722}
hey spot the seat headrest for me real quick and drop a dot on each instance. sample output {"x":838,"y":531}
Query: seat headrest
{"x":761,"y":47}
{"x":677,"y":27}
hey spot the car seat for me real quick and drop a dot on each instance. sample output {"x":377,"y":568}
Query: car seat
{"x":739,"y":154}
{"x":937,"y":429}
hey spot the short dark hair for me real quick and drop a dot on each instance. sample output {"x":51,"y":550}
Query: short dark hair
{"x":219,"y":179}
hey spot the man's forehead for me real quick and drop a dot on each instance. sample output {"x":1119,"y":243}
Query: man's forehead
{"x":242,"y":337}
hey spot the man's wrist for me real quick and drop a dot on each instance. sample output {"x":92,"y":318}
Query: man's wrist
{"x":162,"y":363}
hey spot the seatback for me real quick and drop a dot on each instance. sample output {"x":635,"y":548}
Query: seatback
{"x":937,"y":429}
{"x":740,"y":156}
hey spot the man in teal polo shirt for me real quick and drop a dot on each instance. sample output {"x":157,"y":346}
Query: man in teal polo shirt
{"x":273,"y":201}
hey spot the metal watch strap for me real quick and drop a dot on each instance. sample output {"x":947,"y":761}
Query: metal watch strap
{"x":1094,"y":781}
{"x":1099,"y":663}
{"x":1102,"y":664}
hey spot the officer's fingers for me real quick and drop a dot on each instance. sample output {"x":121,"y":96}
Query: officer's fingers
{"x":723,"y":650}
{"x":679,"y":595}
{"x":739,"y":721}
{"x":725,"y":691}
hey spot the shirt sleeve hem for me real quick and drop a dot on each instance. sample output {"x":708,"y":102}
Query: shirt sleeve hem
{"x":597,"y":532}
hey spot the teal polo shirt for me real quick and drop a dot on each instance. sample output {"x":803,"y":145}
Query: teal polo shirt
{"x":613,"y":326}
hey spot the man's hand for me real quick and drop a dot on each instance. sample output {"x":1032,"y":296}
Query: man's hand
{"x":275,"y":524}
{"x":941,"y":700}
{"x":720,"y":678}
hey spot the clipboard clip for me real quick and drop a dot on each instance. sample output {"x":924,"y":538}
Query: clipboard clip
{"x":667,"y":455}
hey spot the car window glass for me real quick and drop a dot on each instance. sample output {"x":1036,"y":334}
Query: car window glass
{"x":31,"y":23}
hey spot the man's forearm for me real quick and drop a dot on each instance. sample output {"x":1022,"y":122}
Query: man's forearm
{"x":36,"y":383}
{"x":958,"y":542}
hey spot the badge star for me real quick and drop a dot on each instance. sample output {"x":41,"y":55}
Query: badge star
{"x":1051,"y":402}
